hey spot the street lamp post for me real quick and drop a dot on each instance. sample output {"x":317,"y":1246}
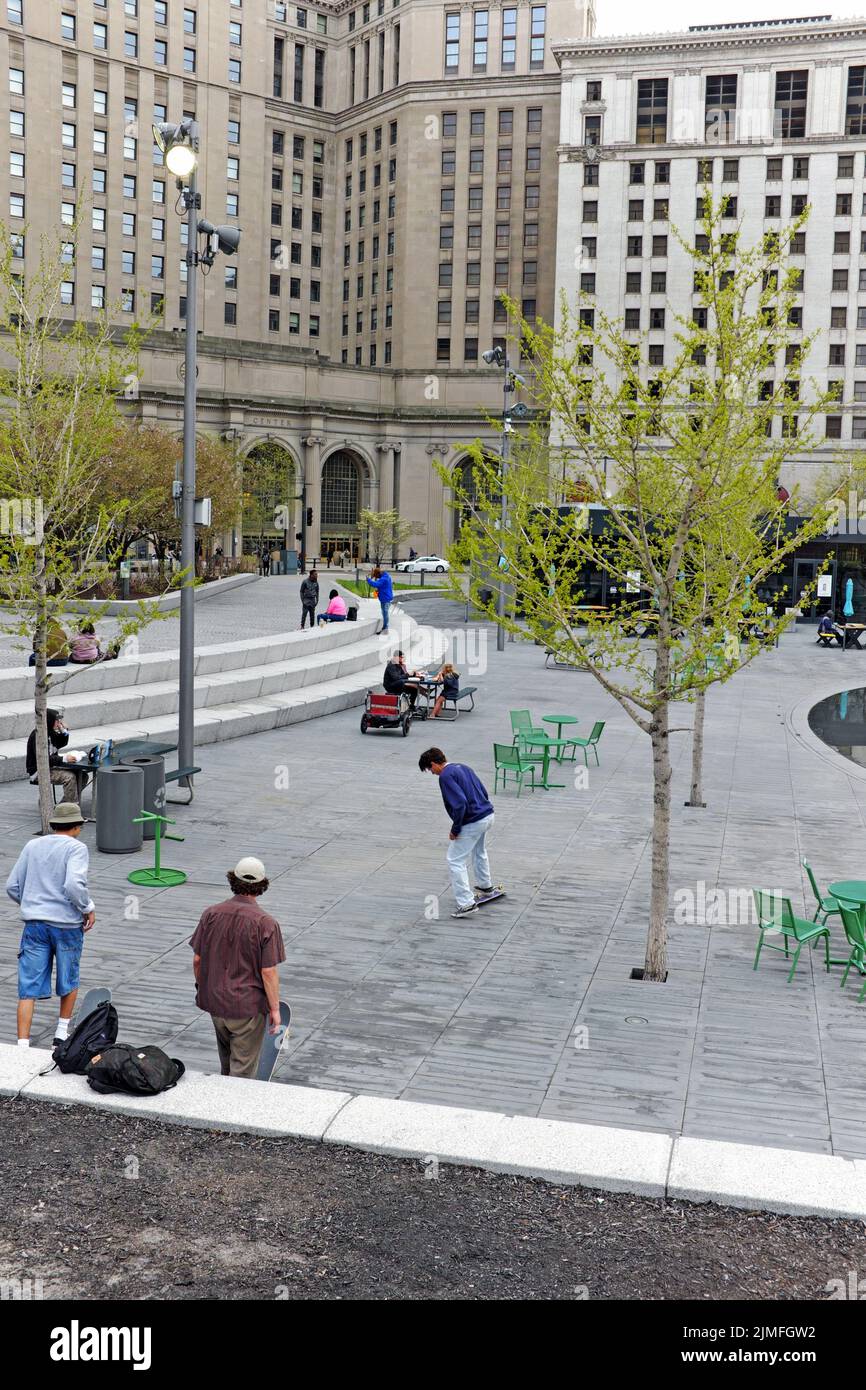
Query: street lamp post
{"x":186,"y":703}
{"x":497,"y":356}
{"x":180,"y":148}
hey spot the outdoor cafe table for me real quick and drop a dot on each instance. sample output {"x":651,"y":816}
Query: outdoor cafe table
{"x":559,"y":720}
{"x":850,"y":890}
{"x":547,"y":743}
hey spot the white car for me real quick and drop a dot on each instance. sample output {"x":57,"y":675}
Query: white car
{"x":432,"y":564}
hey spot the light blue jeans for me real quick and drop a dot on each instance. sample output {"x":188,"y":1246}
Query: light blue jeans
{"x":385,"y":606}
{"x":470,"y":844}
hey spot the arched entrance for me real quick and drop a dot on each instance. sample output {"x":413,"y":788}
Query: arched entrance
{"x":466,"y":488}
{"x":269,"y":502}
{"x":342,"y":488}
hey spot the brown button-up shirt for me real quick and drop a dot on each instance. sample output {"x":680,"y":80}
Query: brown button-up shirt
{"x":236,"y":941}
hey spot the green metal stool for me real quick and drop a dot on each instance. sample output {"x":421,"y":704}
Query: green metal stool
{"x":157,"y":877}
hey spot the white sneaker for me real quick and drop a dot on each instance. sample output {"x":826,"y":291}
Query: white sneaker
{"x":465,"y":911}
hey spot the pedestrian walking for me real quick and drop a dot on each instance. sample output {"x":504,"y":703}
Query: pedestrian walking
{"x":49,"y":883}
{"x":236,"y":950}
{"x":266,"y":561}
{"x":380,"y":582}
{"x":309,"y":598}
{"x":471,"y":811}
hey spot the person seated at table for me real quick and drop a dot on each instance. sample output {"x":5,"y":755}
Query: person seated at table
{"x":56,"y":645}
{"x":450,"y":687}
{"x":336,"y":609}
{"x":828,"y":628}
{"x":61,"y":770}
{"x":398,"y":680}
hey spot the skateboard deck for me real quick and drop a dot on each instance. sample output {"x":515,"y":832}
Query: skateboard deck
{"x":481,"y":899}
{"x":92,"y":999}
{"x":273,"y":1044}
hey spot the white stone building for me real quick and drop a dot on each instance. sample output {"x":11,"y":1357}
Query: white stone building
{"x":778,"y":110}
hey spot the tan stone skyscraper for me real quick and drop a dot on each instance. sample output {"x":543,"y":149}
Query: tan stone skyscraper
{"x":393,"y":167}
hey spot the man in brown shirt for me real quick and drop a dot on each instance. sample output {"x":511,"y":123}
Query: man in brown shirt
{"x":236,"y":950}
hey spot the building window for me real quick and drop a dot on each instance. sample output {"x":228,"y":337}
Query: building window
{"x":230,"y":312}
{"x":652,"y":111}
{"x":720,"y":109}
{"x":234,"y":68}
{"x":67,"y":27}
{"x":452,"y":39}
{"x":160,"y":52}
{"x":480,"y":20}
{"x":97,"y":296}
{"x":100,"y":36}
{"x":538,"y":16}
{"x":160,"y":12}
{"x":790,"y":104}
{"x":855,"y":105}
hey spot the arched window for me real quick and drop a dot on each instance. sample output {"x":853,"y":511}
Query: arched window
{"x":340,"y":490}
{"x":269,"y":493}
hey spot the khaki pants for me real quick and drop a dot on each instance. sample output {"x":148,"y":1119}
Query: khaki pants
{"x":239,"y":1042}
{"x":69,"y":782}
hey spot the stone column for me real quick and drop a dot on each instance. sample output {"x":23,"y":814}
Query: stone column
{"x":313,"y":476}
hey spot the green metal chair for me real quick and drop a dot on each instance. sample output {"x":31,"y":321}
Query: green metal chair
{"x":531,"y":751}
{"x":521,"y":723}
{"x":590,"y":742}
{"x":827,"y":906}
{"x":852,"y":921}
{"x":776,"y":917}
{"x":508,"y":759}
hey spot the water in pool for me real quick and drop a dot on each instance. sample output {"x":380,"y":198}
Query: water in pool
{"x":840,"y":722}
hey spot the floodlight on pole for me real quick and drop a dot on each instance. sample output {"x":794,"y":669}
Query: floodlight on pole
{"x":179,"y":145}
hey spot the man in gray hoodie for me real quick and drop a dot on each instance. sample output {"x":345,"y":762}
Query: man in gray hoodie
{"x":49,"y":882}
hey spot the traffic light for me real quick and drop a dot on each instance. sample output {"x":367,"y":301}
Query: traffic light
{"x":309,"y":516}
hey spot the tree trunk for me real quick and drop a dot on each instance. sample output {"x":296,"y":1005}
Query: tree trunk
{"x":656,"y":963}
{"x":40,"y":695}
{"x":696,"y":797}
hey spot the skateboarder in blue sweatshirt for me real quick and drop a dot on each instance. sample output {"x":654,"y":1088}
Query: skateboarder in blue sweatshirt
{"x":471,"y":812}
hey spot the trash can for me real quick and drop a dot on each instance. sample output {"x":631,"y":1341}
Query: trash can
{"x":120,"y":795}
{"x":154,"y":788}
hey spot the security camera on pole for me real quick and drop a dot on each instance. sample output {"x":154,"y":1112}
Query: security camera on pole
{"x":498,"y":357}
{"x":180,"y":147}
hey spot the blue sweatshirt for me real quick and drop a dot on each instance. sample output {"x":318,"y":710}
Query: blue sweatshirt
{"x":49,"y":881}
{"x":464,"y":794}
{"x":384,"y":588}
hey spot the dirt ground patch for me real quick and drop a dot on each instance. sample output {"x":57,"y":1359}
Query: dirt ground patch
{"x":98,"y":1206}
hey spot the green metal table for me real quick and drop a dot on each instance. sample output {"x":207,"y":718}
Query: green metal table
{"x":850,"y":890}
{"x":545,"y":742}
{"x":560,"y":720}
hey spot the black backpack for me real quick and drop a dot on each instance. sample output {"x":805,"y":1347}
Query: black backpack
{"x":95,"y":1032}
{"x":352,"y":614}
{"x":135,"y":1071}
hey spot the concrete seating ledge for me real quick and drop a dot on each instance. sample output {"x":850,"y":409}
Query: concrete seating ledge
{"x":265,"y":684}
{"x":595,"y":1156}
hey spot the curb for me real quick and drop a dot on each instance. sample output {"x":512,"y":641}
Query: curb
{"x":798,"y":724}
{"x":597,"y":1156}
{"x":166,"y":604}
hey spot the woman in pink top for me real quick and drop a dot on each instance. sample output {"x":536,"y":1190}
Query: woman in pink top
{"x":336,"y":609}
{"x":84,"y":647}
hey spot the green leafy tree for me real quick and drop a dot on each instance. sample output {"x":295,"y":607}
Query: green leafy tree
{"x":386,"y":531}
{"x":677,"y":470}
{"x":59,"y":384}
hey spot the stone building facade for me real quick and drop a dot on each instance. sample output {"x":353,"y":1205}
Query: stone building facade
{"x":392,"y":165}
{"x":776,"y":113}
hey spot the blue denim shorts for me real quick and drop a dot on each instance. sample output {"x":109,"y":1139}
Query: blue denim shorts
{"x":41,"y":945}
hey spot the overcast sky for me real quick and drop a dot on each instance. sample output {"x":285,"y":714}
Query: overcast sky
{"x":638,"y":17}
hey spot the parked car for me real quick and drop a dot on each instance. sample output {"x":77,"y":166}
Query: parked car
{"x":432,"y":564}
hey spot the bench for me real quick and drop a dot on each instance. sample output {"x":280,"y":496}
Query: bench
{"x":467,"y":693}
{"x":175,"y":776}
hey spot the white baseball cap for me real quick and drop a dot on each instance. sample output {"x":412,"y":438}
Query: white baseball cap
{"x":250,"y":870}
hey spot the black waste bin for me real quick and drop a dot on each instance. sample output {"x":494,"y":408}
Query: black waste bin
{"x":154,"y":788}
{"x":120,"y":795}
